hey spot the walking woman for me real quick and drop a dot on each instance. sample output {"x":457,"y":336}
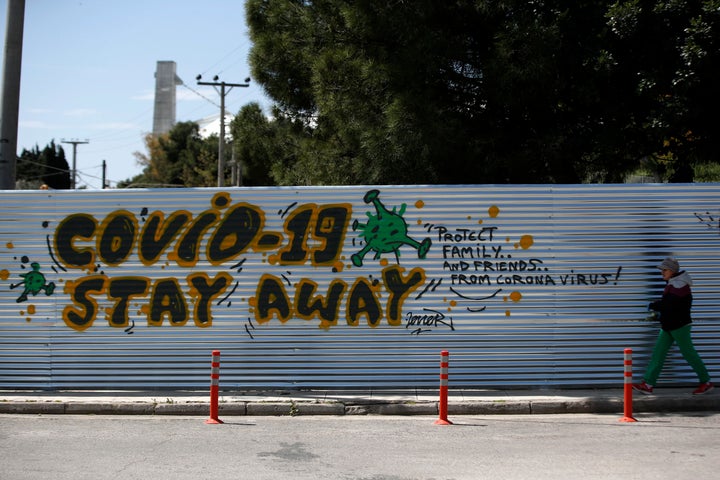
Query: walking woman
{"x":674,"y":308}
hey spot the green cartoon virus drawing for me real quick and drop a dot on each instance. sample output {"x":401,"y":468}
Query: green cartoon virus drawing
{"x":34,"y":282}
{"x":385,"y":232}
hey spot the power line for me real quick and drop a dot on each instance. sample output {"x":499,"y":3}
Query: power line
{"x":60,"y":171}
{"x":199,"y":94}
{"x":223,"y":58}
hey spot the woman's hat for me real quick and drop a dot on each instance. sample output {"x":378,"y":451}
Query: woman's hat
{"x":670,"y":264}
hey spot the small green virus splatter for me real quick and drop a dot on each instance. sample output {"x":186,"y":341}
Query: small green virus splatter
{"x":34,"y":282}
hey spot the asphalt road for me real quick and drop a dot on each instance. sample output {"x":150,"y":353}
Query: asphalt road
{"x":577,"y":446}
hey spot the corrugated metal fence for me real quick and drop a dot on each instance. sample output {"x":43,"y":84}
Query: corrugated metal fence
{"x":348,"y":287}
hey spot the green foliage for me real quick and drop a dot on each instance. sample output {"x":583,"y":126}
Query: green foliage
{"x":48,"y":167}
{"x":180,"y":158}
{"x":707,"y":172}
{"x":479,"y":91}
{"x":254,"y":144}
{"x":668,"y":52}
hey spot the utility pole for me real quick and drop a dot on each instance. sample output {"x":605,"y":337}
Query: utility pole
{"x":12,"y":62}
{"x":221,"y":141}
{"x":237,"y":169}
{"x":75,"y":143}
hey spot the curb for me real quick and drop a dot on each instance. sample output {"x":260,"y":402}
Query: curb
{"x":710,"y":403}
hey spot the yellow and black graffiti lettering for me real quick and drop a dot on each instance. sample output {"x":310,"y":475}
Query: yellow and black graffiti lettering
{"x":297,"y":226}
{"x":271,"y":299}
{"x":235,"y":233}
{"x":399,"y":289}
{"x":205,"y":292}
{"x":167,"y":300}
{"x":72,"y":227}
{"x":123,"y":289}
{"x":330,"y":228}
{"x":81,"y":315}
{"x":308,"y":305}
{"x":116,"y":242}
{"x":327,"y":224}
{"x":188,"y":247}
{"x":157,"y":234}
{"x":363,"y":302}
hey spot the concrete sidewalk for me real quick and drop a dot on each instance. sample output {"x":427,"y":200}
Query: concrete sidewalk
{"x":323,"y":402}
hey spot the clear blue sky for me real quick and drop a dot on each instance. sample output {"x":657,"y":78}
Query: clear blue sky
{"x":88,"y":73}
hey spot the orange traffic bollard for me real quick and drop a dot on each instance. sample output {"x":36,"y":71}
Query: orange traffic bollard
{"x":443,"y":408}
{"x":214,"y":388}
{"x":628,"y":394}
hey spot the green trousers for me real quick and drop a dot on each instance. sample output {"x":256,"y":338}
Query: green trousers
{"x":681,"y":336}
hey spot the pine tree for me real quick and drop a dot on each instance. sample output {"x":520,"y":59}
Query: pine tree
{"x":48,"y":167}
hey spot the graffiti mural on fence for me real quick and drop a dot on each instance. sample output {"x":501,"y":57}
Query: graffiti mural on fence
{"x":99,"y":264}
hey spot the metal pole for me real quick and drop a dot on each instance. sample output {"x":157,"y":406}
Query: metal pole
{"x":74,"y":165}
{"x":11,"y":92}
{"x":221,"y":142}
{"x":73,"y":180}
{"x":237,"y":166}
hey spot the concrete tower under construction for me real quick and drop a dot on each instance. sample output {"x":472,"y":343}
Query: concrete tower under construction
{"x":165,"y":82}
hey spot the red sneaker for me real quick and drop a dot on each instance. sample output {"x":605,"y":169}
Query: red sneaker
{"x":703,"y":388}
{"x":643,"y":388}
